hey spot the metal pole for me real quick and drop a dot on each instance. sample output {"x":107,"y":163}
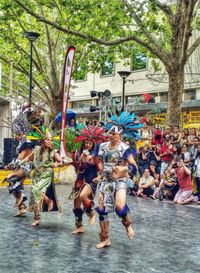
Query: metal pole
{"x":100,"y":108}
{"x":105,"y":109}
{"x":11,"y":94}
{"x":30,"y":75}
{"x":123,"y":94}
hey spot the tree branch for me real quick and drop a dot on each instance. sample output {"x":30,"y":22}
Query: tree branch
{"x":162,"y":55}
{"x":51,"y":50}
{"x":165,"y":8}
{"x":192,"y":48}
{"x":89,"y":37}
{"x":187,"y":17}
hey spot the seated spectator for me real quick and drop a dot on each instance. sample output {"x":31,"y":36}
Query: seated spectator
{"x":146,"y":134}
{"x":166,"y":154}
{"x":155,"y":156}
{"x":154,"y":173}
{"x":185,"y":193}
{"x":80,"y":124}
{"x":194,"y":148}
{"x":132,"y":186}
{"x":185,"y":155}
{"x":168,"y":186}
{"x":157,"y":138}
{"x":143,"y":159}
{"x":183,"y":139}
{"x":90,"y":122}
{"x":167,"y":132}
{"x":72,"y":123}
{"x":176,"y":137}
{"x":146,"y":184}
{"x":191,"y":138}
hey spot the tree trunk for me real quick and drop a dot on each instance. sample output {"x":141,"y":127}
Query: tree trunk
{"x":176,"y":87}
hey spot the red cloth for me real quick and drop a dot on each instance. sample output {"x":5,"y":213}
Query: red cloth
{"x":167,"y":157}
{"x":184,"y":180}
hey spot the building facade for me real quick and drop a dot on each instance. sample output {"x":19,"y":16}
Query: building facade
{"x":142,"y":80}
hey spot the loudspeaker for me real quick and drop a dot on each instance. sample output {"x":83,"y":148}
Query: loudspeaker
{"x":10,"y":146}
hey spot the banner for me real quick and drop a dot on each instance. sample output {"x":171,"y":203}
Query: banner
{"x":159,"y":120}
{"x":68,"y":65}
{"x":191,"y":119}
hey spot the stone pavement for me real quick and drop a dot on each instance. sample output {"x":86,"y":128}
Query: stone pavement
{"x":167,"y":240}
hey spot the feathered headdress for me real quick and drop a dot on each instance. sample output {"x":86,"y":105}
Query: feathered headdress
{"x":126,"y":124}
{"x":20,"y":125}
{"x":43,"y":133}
{"x":91,"y":133}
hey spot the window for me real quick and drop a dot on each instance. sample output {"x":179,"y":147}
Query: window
{"x":139,"y":62}
{"x":81,"y":104}
{"x":190,"y":94}
{"x":164,"y":97}
{"x":107,"y":69}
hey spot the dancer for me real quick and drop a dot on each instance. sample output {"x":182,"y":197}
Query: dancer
{"x":87,"y":171}
{"x":43,"y":195}
{"x":21,"y":169}
{"x":113,"y":159}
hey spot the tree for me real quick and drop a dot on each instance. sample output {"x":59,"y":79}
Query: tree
{"x":49,"y":49}
{"x":164,"y":28}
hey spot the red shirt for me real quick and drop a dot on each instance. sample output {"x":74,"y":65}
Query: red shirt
{"x":184,"y":179}
{"x":167,"y":157}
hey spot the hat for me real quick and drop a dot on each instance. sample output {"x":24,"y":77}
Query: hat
{"x":153,"y":162}
{"x":92,"y":133}
{"x":158,"y":132}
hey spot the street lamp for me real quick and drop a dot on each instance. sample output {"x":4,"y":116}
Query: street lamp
{"x":31,"y":36}
{"x":123,"y":75}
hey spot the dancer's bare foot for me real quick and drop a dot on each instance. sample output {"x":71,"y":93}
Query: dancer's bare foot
{"x":78,"y":230}
{"x":35,"y":223}
{"x":130,"y":232}
{"x":50,"y":205}
{"x":21,"y":212}
{"x":103,"y":244}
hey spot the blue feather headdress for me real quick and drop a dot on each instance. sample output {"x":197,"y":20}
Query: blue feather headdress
{"x":126,"y":124}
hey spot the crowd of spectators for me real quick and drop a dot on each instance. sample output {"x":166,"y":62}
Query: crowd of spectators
{"x":168,"y":165}
{"x":168,"y":162}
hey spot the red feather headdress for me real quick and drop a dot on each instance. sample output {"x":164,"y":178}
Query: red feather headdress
{"x":91,"y":133}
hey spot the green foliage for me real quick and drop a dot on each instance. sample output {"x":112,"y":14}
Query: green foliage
{"x":91,"y":17}
{"x":71,"y":145}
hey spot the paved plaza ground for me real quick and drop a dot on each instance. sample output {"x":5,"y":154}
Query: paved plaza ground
{"x":167,"y":240}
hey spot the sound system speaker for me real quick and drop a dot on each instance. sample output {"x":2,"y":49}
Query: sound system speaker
{"x":9,"y":153}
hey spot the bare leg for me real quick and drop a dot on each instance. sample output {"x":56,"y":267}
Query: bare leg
{"x":104,"y":224}
{"x":48,"y":202}
{"x":123,"y":212}
{"x":37,"y":217}
{"x":78,"y":212}
{"x":104,"y":235}
{"x":22,"y":210}
{"x":186,"y":201}
{"x":18,"y":200}
{"x":88,"y":203}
